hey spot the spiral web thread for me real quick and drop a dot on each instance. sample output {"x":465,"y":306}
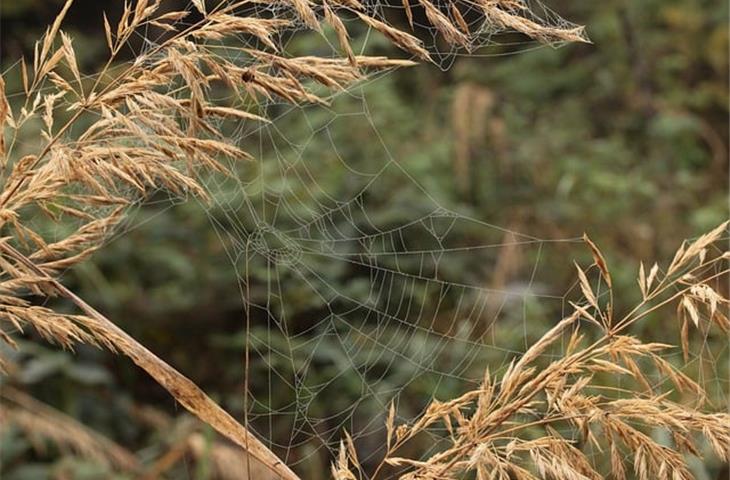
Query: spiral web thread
{"x":380,"y":323}
{"x":392,"y":315}
{"x":288,"y":236}
{"x":346,"y":299}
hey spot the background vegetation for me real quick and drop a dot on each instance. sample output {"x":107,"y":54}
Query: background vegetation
{"x":625,"y":138}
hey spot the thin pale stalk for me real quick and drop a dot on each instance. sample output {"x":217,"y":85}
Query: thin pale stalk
{"x":183,"y":389}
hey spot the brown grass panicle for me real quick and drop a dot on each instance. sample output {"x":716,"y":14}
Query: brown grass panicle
{"x":589,"y":413}
{"x":42,"y":424}
{"x":150,"y":124}
{"x":185,"y":439}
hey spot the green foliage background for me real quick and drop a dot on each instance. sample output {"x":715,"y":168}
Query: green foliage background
{"x":626,"y":139}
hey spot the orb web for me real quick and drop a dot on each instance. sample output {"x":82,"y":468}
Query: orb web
{"x":361,"y":283}
{"x":359,"y":287}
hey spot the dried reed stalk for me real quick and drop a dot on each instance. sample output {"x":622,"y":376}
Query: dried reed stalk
{"x":184,"y":438}
{"x":42,"y":422}
{"x":184,"y":390}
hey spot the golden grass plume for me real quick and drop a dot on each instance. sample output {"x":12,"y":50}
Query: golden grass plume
{"x":150,"y":124}
{"x":586,"y":413}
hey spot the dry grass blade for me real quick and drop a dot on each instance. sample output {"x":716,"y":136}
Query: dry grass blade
{"x":4,"y":116}
{"x":441,"y":22}
{"x":334,"y":21}
{"x":511,"y":18}
{"x":38,"y":420}
{"x":598,"y":395}
{"x":599,"y":260}
{"x":184,"y":438}
{"x":180,"y":387}
{"x":306,"y":13}
{"x":229,"y":463}
{"x":407,"y":42}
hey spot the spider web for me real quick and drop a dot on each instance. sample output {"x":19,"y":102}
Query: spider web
{"x":348,"y":304}
{"x":361,"y":286}
{"x":361,"y":283}
{"x":340,"y":303}
{"x":381,"y":294}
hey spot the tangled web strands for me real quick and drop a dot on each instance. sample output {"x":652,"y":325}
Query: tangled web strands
{"x":152,"y":124}
{"x":169,"y":118}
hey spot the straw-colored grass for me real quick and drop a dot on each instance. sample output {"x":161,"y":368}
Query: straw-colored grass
{"x":586,"y":414}
{"x":42,"y":423}
{"x":147,"y":125}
